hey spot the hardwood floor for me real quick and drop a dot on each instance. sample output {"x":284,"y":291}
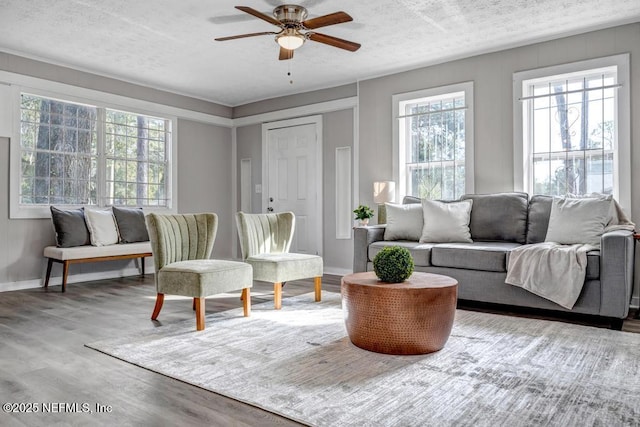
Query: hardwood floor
{"x":42,"y":337}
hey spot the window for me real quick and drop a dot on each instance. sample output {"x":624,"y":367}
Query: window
{"x":574,"y":130}
{"x":434,"y":142}
{"x":80,"y":154}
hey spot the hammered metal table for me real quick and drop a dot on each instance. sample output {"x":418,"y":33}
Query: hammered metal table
{"x":412,"y":317}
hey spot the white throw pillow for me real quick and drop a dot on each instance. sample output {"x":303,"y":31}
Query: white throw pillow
{"x":446,"y":222}
{"x":404,"y":222}
{"x":578,"y":221}
{"x":102,"y":227}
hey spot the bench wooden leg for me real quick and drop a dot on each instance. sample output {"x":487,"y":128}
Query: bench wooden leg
{"x":246,"y":301}
{"x":200,"y":314}
{"x":317,"y":282}
{"x":65,"y":273}
{"x":277,"y":295}
{"x":49,"y":265}
{"x":194,"y":303}
{"x":158,"y":307}
{"x":142,"y":262}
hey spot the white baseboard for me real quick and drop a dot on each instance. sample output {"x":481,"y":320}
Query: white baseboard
{"x":635,"y":302}
{"x":72,"y":278}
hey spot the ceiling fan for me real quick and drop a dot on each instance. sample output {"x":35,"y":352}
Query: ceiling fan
{"x":292,"y":19}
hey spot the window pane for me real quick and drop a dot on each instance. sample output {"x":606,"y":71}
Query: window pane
{"x":52,"y":141}
{"x":136,"y":147}
{"x":60,"y":162}
{"x":436,"y":146}
{"x":572,"y":133}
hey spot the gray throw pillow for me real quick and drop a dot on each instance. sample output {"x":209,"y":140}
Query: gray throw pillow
{"x":446,"y":222}
{"x":70,"y":227}
{"x":404,"y":222}
{"x":131,"y":225}
{"x":578,"y":221}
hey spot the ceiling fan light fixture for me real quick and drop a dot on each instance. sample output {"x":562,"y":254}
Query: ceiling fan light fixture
{"x":290,"y":39}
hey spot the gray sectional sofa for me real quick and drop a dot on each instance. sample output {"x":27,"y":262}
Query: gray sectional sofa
{"x":500,"y":222}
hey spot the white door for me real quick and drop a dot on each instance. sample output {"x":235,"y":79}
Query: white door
{"x":294,"y":181}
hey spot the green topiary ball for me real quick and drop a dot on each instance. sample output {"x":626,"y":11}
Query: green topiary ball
{"x":393,"y":264}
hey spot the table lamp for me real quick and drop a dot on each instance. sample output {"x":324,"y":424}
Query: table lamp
{"x":383,"y":192}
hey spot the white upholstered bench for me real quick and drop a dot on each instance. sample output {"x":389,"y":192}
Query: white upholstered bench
{"x":81,"y":254}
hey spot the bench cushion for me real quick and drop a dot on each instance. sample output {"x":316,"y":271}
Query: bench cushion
{"x":70,"y":227}
{"x":131,"y":225}
{"x":82,"y":252}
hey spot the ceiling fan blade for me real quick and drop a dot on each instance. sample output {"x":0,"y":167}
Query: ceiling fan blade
{"x":333,"y":41}
{"x":260,"y":15}
{"x":241,"y":36}
{"x":330,"y":19}
{"x":285,"y":54}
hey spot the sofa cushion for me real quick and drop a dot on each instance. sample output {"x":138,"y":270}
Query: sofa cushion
{"x":404,"y":222}
{"x":499,"y":217}
{"x":408,"y":200}
{"x":446,"y":222}
{"x":538,"y":220}
{"x":486,"y":256}
{"x":420,"y":252}
{"x":578,"y":221}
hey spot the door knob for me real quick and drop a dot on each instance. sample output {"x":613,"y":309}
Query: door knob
{"x":269,"y":209}
{"x":271,"y":199}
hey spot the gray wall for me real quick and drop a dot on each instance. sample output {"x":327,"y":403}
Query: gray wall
{"x":204,"y":178}
{"x":204,"y":175}
{"x":249,"y":146}
{"x":337,"y":129}
{"x":492,"y":75}
{"x":30,"y":67}
{"x":297,"y":100}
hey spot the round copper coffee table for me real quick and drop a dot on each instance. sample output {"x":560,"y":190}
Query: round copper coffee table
{"x":412,"y":317}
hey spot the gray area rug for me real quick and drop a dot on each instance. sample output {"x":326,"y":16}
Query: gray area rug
{"x":495,"y":370}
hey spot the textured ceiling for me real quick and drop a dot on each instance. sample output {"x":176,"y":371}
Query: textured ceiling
{"x":168,"y":44}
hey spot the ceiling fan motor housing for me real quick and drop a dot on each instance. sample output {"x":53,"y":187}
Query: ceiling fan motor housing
{"x":290,"y":15}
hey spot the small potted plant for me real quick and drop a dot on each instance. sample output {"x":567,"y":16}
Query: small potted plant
{"x":393,"y":264}
{"x":363,"y":214}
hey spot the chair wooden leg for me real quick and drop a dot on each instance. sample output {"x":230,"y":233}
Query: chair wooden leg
{"x":277,"y":295}
{"x":46,"y":280}
{"x":65,"y":273}
{"x":199,"y":314}
{"x":246,"y":301}
{"x":158,"y":307}
{"x":317,"y":282}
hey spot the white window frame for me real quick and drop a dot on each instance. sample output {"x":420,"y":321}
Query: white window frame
{"x":399,"y":154}
{"x":91,"y":97}
{"x":522,"y":150}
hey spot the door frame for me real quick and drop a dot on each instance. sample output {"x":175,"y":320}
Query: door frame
{"x":317,"y":121}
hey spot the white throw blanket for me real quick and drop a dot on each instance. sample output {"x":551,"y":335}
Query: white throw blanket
{"x":557,"y":272}
{"x":550,"y":270}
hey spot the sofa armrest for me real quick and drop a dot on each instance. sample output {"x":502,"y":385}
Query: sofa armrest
{"x":617,"y":254}
{"x":362,"y":238}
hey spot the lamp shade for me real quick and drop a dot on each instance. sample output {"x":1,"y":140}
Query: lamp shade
{"x":384,"y":191}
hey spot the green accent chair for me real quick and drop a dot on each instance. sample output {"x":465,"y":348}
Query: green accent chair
{"x":265,"y":240}
{"x":181,"y":246}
